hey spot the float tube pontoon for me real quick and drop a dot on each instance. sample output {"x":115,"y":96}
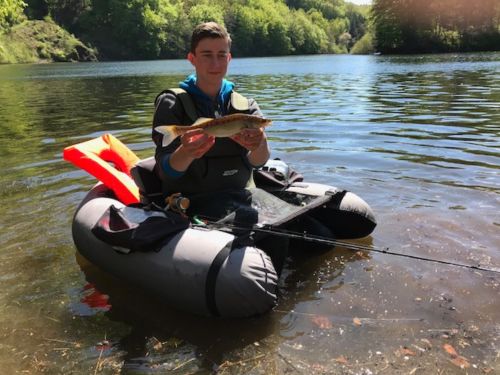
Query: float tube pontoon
{"x":217,"y":269}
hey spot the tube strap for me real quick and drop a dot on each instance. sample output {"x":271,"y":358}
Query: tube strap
{"x":212,"y":274}
{"x":213,"y":271}
{"x":336,"y":199}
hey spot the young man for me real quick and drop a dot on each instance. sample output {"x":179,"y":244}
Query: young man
{"x":212,"y":172}
{"x":196,"y":162}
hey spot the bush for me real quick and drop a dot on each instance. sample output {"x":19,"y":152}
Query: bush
{"x":35,"y":41}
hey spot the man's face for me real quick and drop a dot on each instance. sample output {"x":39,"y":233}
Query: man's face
{"x":211,"y":59}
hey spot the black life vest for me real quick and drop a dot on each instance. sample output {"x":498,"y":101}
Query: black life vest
{"x":224,"y":166}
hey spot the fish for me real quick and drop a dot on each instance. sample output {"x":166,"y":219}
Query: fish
{"x":225,"y":126}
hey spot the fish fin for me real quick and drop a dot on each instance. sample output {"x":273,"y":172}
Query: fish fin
{"x":169,"y":133}
{"x":202,"y":120}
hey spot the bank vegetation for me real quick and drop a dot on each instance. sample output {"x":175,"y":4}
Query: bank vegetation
{"x":86,"y":30}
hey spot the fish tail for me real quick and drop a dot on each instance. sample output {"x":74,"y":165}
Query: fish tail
{"x":170,"y":132}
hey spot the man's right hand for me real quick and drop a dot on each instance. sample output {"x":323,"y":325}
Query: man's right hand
{"x":194,"y":144}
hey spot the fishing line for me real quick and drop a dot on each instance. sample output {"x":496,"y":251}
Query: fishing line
{"x":269,"y":229}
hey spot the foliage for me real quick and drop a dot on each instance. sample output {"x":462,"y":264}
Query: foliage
{"x":13,"y":51}
{"x":358,"y":18}
{"x":148,"y":29}
{"x":36,"y":9}
{"x":67,"y":12}
{"x":131,"y":28}
{"x":364,"y":46}
{"x":206,"y":11}
{"x":307,"y":37}
{"x":330,"y":9}
{"x":259,"y":30}
{"x":151,"y":29}
{"x":34,"y":41}
{"x":404,"y":26}
{"x":11,"y":13}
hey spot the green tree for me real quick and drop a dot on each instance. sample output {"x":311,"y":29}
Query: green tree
{"x":357,"y":21}
{"x":278,"y":42}
{"x":436,"y":25}
{"x":307,"y":38}
{"x":132,"y":28}
{"x":36,"y":9}
{"x":11,"y":12}
{"x":148,"y":29}
{"x":364,"y":45}
{"x":205,"y":11}
{"x":260,"y":28}
{"x":67,"y":12}
{"x":241,"y":25}
{"x":330,"y":9}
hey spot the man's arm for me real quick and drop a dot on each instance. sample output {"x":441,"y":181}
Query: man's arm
{"x":168,"y":112}
{"x":176,"y":158}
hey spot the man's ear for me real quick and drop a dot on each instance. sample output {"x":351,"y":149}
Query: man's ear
{"x":190,"y":57}
{"x":229,"y":57}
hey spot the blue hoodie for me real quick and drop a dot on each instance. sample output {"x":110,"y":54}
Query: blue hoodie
{"x":205,"y":103}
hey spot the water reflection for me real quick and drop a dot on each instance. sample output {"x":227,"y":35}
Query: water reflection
{"x":150,"y":319}
{"x":163,"y":338}
{"x":417,"y":137}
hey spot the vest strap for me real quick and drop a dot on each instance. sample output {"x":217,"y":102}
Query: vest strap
{"x":239,"y":102}
{"x":187,"y":102}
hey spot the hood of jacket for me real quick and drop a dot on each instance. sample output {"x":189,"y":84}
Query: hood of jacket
{"x":207,"y":104}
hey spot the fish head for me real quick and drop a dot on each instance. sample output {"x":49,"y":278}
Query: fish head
{"x":256,"y":122}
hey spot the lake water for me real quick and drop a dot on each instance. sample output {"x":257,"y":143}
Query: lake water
{"x":417,"y":137}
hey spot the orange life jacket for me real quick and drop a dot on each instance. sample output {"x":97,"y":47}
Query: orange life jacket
{"x":93,"y":156}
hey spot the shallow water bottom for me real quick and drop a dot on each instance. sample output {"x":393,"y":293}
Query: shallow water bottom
{"x":415,"y":136}
{"x":340,"y":312}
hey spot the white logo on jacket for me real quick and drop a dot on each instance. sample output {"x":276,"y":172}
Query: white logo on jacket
{"x":230,"y":172}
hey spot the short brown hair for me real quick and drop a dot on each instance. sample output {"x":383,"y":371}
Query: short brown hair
{"x":208,"y":30}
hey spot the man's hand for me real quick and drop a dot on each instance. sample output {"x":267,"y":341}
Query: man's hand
{"x":255,"y":141}
{"x":251,"y":139}
{"x":194,"y":144}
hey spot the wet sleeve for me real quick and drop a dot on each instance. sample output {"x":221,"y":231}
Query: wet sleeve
{"x":254,"y":110}
{"x":168,"y":112}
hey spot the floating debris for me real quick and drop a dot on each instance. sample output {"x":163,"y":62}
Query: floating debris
{"x":342,"y":360}
{"x":456,"y":359}
{"x":321,"y":321}
{"x":404,"y":351}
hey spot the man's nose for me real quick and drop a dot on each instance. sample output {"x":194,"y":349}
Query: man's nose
{"x":214,"y":61}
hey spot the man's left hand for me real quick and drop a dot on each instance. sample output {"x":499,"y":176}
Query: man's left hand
{"x":250,"y":138}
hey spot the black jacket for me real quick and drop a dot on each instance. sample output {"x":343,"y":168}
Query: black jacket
{"x":224,"y":166}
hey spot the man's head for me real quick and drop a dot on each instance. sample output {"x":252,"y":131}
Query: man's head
{"x":208,"y":30}
{"x":210,"y":55}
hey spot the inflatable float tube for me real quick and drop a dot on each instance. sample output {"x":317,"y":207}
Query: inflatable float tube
{"x":183,"y":272}
{"x":203,"y":270}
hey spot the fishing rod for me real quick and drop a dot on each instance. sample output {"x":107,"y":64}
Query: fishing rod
{"x":269,"y":229}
